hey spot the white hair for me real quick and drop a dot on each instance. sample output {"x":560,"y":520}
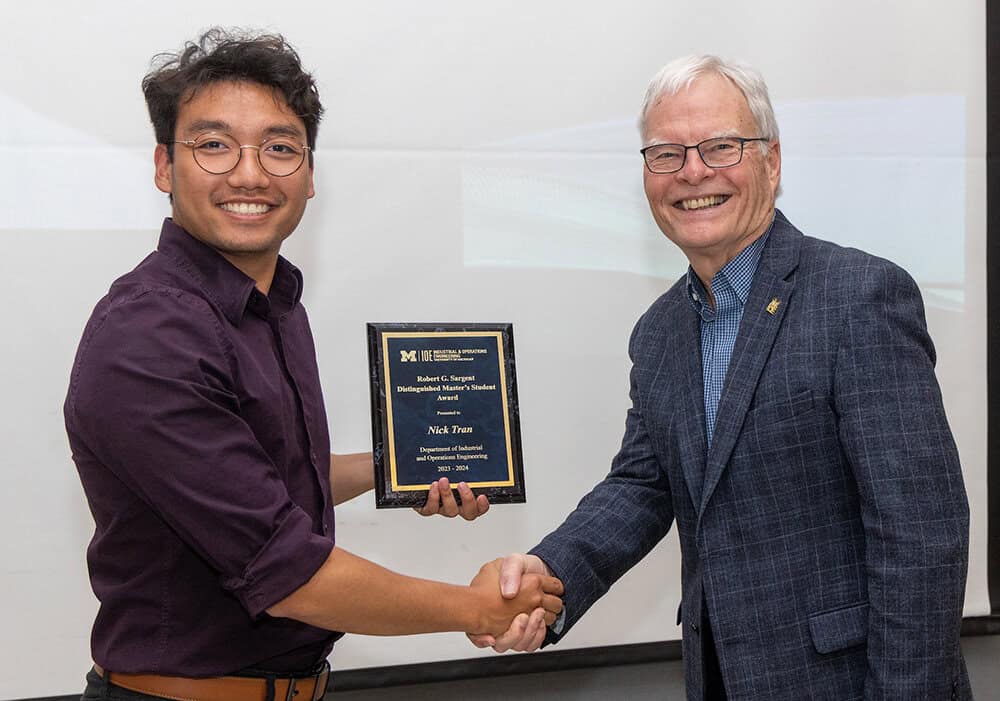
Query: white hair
{"x":680,"y":73}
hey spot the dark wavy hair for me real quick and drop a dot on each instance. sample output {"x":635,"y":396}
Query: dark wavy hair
{"x":229,"y":55}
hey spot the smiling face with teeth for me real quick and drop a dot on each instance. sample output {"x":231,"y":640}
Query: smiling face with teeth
{"x":244,"y":214}
{"x":710,"y":213}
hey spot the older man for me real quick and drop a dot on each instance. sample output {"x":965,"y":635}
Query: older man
{"x":786,"y":414}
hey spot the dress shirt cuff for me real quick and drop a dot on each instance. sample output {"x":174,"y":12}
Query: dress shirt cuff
{"x":560,"y":622}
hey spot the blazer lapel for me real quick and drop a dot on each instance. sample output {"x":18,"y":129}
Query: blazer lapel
{"x":691,"y":439}
{"x":770,"y":296}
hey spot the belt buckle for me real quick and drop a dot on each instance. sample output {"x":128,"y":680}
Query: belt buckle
{"x":320,"y":681}
{"x":324,"y":675}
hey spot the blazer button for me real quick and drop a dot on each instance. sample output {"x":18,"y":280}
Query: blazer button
{"x":694,"y":627}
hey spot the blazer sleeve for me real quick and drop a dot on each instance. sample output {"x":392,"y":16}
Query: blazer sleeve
{"x":914,"y":507}
{"x":617,"y":523}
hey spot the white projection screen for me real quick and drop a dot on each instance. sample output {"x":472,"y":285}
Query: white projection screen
{"x":477,"y":162}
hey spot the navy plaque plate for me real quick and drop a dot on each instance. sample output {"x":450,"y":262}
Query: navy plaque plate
{"x":444,"y":404}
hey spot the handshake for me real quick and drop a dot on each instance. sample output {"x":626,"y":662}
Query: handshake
{"x":521,"y":598}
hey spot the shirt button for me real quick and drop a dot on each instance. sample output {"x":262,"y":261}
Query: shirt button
{"x":326,"y":529}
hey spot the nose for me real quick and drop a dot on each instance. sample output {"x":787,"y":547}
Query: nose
{"x":694,"y":169}
{"x":248,"y":173}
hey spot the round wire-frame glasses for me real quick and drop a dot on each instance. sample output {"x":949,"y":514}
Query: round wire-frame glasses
{"x":218,"y":154}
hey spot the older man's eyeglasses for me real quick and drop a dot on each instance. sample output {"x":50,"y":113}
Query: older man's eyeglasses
{"x":720,"y":152}
{"x":220,"y":153}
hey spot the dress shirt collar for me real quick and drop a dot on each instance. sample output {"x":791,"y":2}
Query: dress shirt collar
{"x":737,"y":274}
{"x":232,"y":290}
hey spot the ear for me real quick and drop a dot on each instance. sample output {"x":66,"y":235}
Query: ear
{"x":774,"y":165}
{"x":312,"y":190}
{"x":164,"y":176}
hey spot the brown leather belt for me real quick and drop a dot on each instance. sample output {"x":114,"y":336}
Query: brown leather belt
{"x":220,"y":688}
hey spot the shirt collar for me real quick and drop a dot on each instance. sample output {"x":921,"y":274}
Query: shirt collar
{"x":737,"y":273}
{"x":226,"y":285}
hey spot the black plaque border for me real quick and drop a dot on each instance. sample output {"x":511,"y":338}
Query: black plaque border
{"x":385,"y":496}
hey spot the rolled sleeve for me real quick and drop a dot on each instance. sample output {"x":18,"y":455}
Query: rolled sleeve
{"x":286,"y":562}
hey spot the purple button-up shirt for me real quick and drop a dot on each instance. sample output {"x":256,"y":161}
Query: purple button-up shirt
{"x":197,"y":424}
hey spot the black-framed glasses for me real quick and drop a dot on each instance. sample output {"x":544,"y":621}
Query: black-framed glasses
{"x":720,"y":152}
{"x":220,"y":153}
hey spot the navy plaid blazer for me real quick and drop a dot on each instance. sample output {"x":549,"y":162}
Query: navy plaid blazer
{"x":826,"y":529}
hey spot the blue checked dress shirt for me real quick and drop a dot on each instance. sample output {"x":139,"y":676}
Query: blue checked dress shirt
{"x":719,"y":326}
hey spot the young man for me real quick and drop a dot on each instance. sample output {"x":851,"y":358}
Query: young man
{"x":197,"y":423}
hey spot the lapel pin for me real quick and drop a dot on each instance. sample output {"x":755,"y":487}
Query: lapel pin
{"x":773,"y":305}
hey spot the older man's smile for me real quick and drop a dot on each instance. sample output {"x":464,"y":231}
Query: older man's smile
{"x":701,"y":202}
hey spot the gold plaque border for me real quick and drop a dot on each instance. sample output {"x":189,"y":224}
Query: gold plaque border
{"x":391,"y":438}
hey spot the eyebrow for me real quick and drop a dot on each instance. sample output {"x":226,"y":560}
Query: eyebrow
{"x":724,"y":134}
{"x":208,"y":125}
{"x":203,"y":125}
{"x":284,"y":130}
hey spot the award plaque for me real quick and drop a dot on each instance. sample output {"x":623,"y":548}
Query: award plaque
{"x":444,"y":404}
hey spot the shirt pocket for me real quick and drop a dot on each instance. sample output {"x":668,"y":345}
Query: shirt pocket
{"x":840,"y":629}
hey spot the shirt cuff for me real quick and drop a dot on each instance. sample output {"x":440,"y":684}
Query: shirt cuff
{"x":560,"y":622}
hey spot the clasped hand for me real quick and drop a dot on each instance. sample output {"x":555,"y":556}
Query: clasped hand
{"x":537,"y":597}
{"x":527,"y":630}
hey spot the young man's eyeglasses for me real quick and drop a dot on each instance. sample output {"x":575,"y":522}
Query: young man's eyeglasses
{"x":220,"y":153}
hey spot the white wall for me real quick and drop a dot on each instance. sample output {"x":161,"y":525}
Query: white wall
{"x":478,"y":162}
